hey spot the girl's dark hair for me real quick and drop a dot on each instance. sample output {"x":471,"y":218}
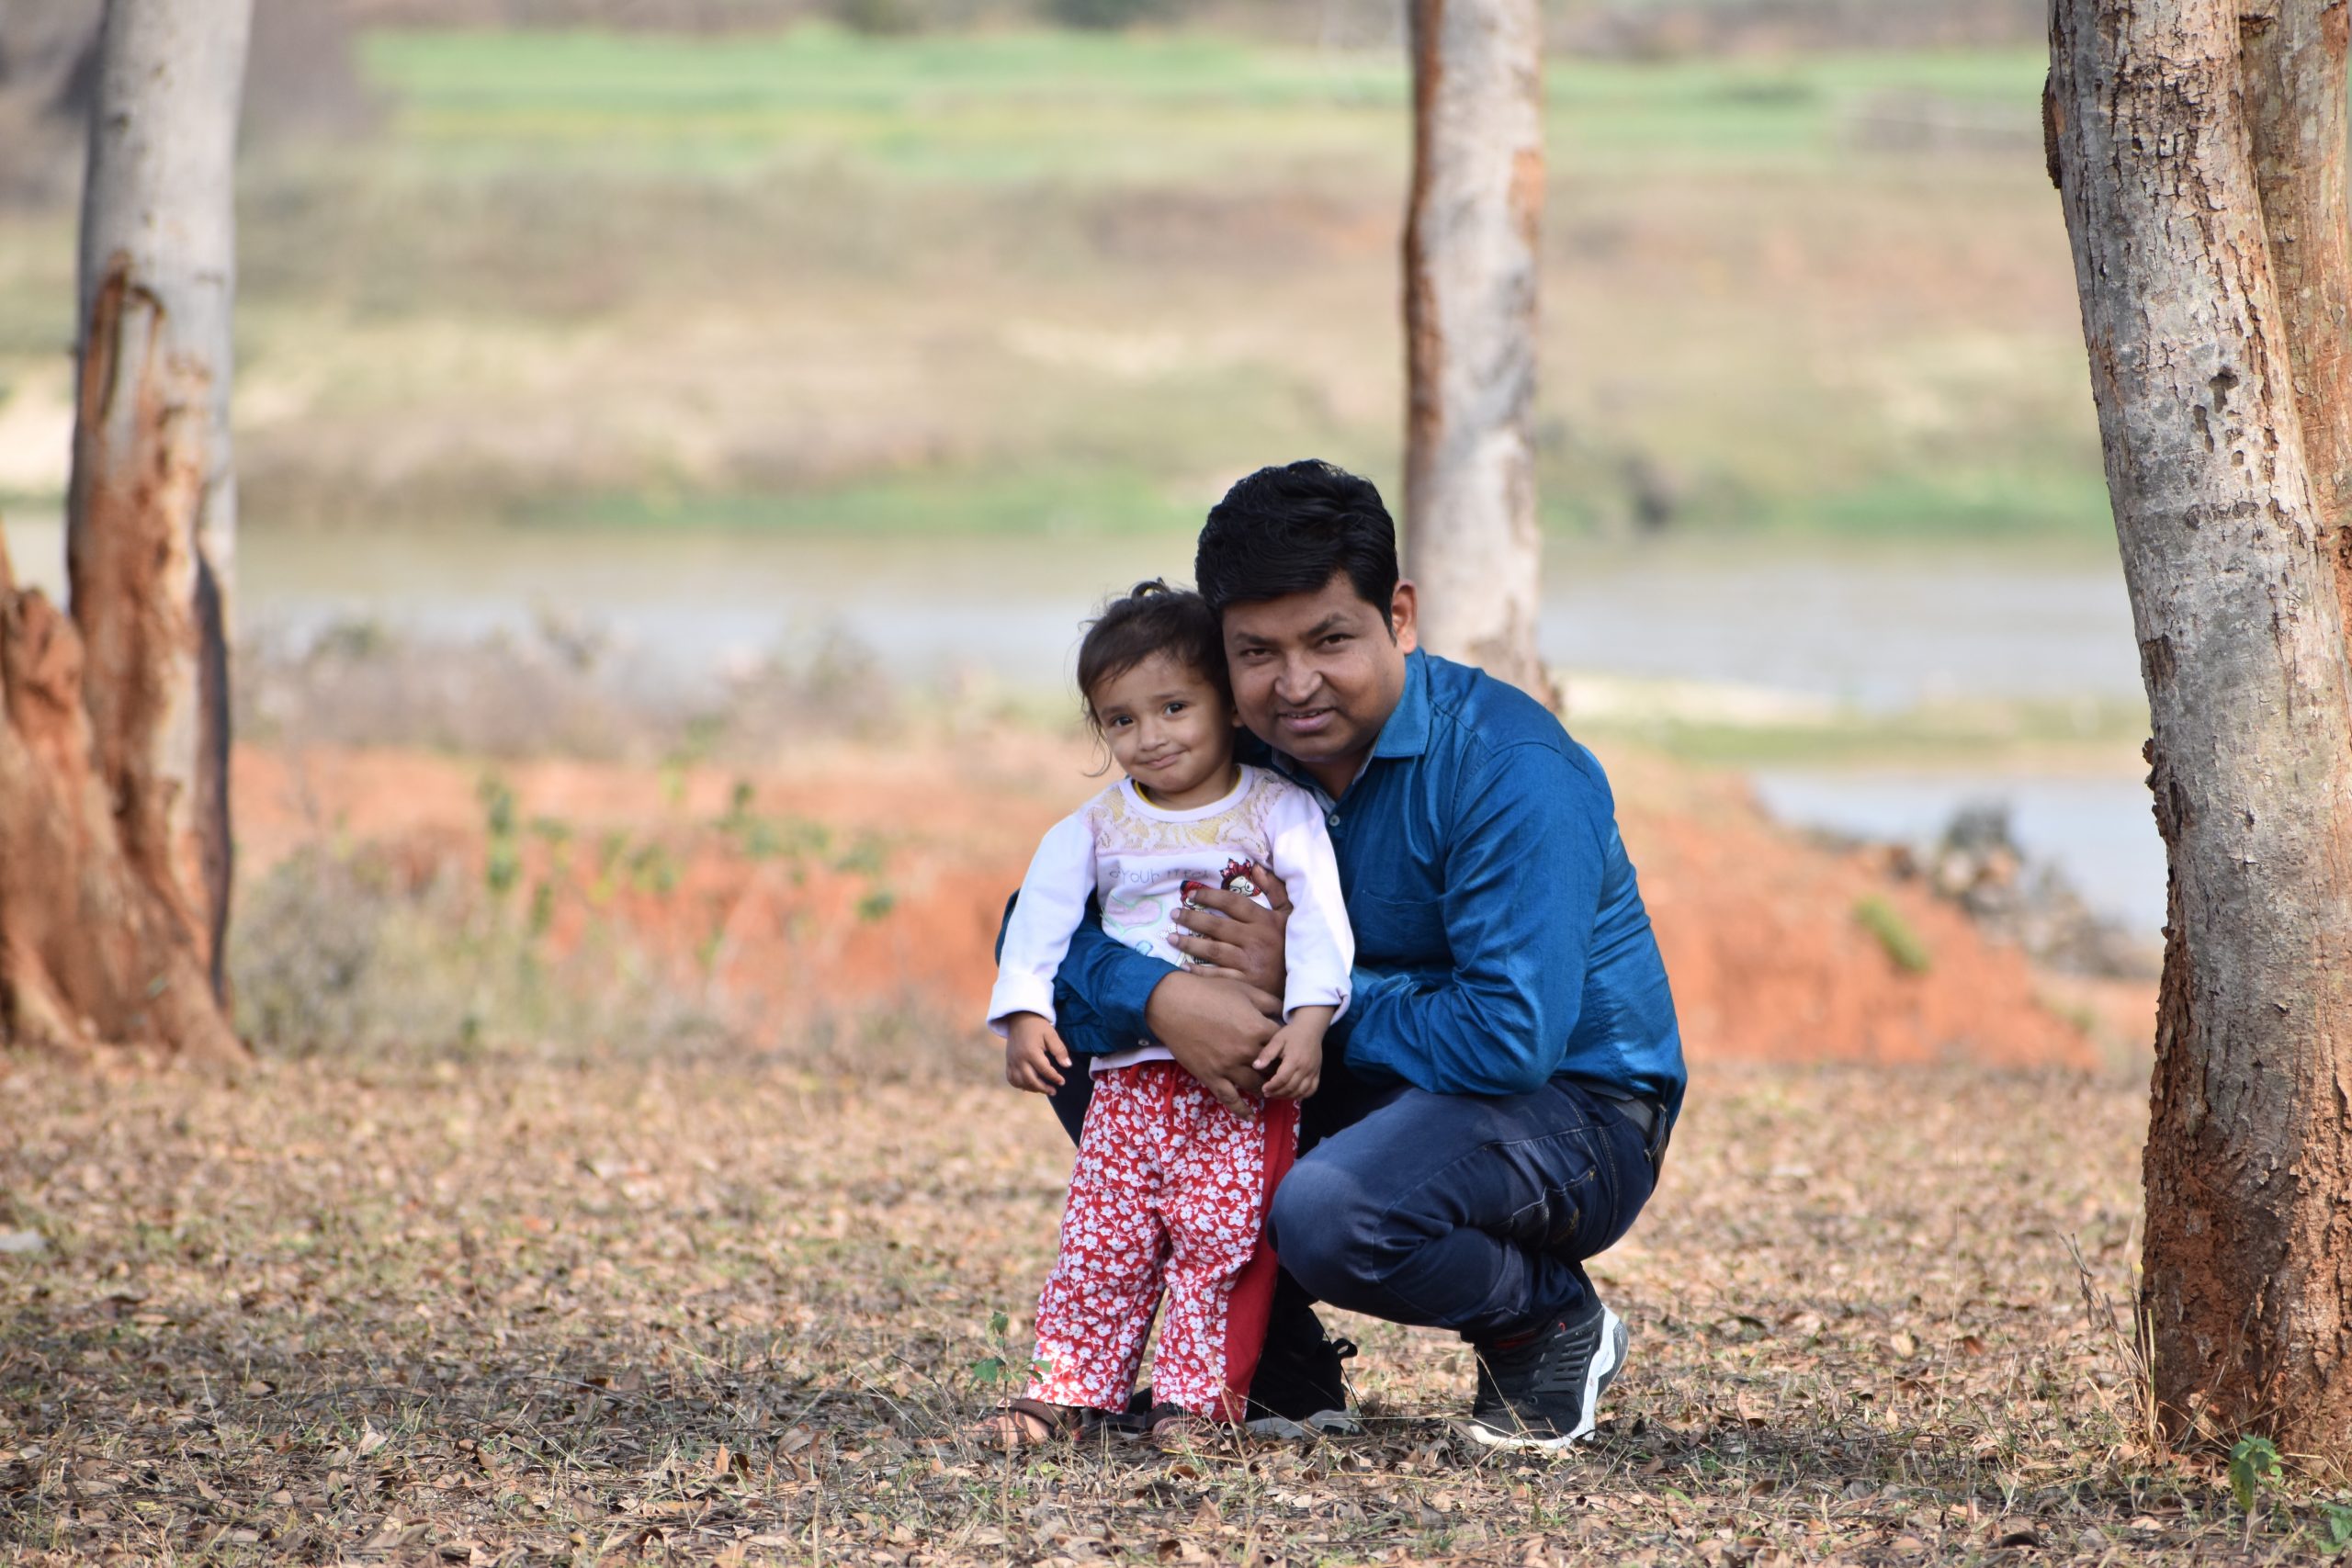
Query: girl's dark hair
{"x":1153,"y":618}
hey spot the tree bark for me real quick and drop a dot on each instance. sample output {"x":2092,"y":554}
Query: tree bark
{"x":113,"y":726}
{"x":1470,"y":298}
{"x":2223,"y":533}
{"x":2293,"y":61}
{"x":90,"y":953}
{"x":152,"y":517}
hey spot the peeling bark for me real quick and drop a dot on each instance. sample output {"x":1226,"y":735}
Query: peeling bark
{"x":1471,"y":539}
{"x":114,"y":810}
{"x":2222,"y":499}
{"x":90,"y":953}
{"x":145,"y":600}
{"x":151,"y":520}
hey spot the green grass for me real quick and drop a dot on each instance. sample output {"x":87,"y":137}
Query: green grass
{"x":1030,"y":502}
{"x":1026,"y":107}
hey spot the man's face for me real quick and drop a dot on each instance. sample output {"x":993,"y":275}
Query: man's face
{"x":1318,"y":674}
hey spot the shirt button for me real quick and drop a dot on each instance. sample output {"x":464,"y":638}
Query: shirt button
{"x":1333,"y":819}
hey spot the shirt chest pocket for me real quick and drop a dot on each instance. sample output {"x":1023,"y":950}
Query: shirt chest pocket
{"x":1400,"y":932}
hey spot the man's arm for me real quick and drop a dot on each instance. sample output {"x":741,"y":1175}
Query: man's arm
{"x":1524,"y":875}
{"x":1109,"y":997}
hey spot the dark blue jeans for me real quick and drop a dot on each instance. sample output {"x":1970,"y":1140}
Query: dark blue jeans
{"x":1456,"y":1211}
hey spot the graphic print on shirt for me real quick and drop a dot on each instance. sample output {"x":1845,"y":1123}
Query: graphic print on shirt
{"x":1236,"y":880}
{"x":1130,"y":860}
{"x":1141,"y":917}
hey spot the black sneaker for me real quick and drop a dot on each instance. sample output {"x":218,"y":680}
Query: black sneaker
{"x":1300,"y":1390}
{"x":1544,"y":1390}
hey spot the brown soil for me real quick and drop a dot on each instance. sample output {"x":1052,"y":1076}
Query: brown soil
{"x":922,"y":843}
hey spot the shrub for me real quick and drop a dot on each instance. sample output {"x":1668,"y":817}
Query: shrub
{"x":1107,"y":15}
{"x":880,"y":18}
{"x":1882,"y":920}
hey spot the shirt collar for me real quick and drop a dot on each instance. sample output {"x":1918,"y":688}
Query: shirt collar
{"x":1407,"y":733}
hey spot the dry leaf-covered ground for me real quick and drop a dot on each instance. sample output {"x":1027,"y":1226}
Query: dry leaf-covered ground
{"x":566,"y":1309}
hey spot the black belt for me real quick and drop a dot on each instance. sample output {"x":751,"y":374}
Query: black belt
{"x":1646,"y":1115}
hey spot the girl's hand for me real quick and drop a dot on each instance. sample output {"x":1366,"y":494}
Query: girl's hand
{"x":1032,"y":1053}
{"x":1295,"y":1055}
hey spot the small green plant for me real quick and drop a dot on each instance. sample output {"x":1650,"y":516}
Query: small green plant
{"x":990,"y":1370}
{"x":2254,"y":1469}
{"x":504,"y":862}
{"x":2334,"y":1527}
{"x":2253,"y":1465}
{"x":1882,"y":920}
{"x":1002,"y":1367}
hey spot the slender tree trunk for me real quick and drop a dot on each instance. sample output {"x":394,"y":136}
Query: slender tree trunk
{"x":153,"y":517}
{"x":2223,"y":528}
{"x":1470,"y":296}
{"x":114,"y":733}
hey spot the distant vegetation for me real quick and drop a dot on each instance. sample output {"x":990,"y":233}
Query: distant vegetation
{"x":1057,"y":281}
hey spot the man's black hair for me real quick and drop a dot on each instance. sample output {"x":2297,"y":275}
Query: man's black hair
{"x":1288,"y":529}
{"x":1153,"y":618}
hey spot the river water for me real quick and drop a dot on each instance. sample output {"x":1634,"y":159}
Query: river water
{"x":1880,"y":630}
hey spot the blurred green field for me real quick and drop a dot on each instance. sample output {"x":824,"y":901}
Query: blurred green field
{"x":1050,"y":282}
{"x":1088,"y":108}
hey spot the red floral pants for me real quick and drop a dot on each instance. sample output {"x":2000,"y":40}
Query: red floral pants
{"x":1170,"y":1187}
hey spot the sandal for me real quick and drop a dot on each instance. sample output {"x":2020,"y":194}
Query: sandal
{"x":1033,"y":1424}
{"x":1174,"y":1430}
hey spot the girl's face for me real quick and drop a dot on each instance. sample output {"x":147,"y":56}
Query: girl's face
{"x":1169,"y":728}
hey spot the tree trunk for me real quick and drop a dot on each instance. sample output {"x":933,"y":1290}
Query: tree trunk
{"x":2248,"y":1256}
{"x":114,"y":804}
{"x":152,"y":516}
{"x":90,"y":953}
{"x":2294,"y":60}
{"x":1470,"y":293}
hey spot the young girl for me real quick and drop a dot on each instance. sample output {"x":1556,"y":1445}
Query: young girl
{"x":1169,"y":1186}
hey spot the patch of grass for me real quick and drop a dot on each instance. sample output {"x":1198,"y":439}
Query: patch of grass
{"x":1978,"y":734}
{"x":1901,"y":944}
{"x":1098,"y":503}
{"x":1022,"y":105}
{"x":1981,"y":505}
{"x":728,"y":1310}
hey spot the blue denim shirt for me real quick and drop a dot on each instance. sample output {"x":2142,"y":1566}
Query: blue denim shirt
{"x":1500,"y":938}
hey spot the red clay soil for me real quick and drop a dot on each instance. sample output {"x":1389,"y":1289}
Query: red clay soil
{"x":897,"y":906}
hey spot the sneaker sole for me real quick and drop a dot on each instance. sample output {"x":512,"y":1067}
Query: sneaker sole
{"x":1608,"y":1360}
{"x":1322,"y":1423}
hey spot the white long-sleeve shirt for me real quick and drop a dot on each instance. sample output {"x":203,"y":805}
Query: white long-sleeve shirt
{"x":1136,"y":857}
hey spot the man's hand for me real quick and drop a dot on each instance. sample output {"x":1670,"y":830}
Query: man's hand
{"x":1231,"y":935}
{"x":1293,"y":1060}
{"x":1033,"y":1051}
{"x":1215,"y":1029}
